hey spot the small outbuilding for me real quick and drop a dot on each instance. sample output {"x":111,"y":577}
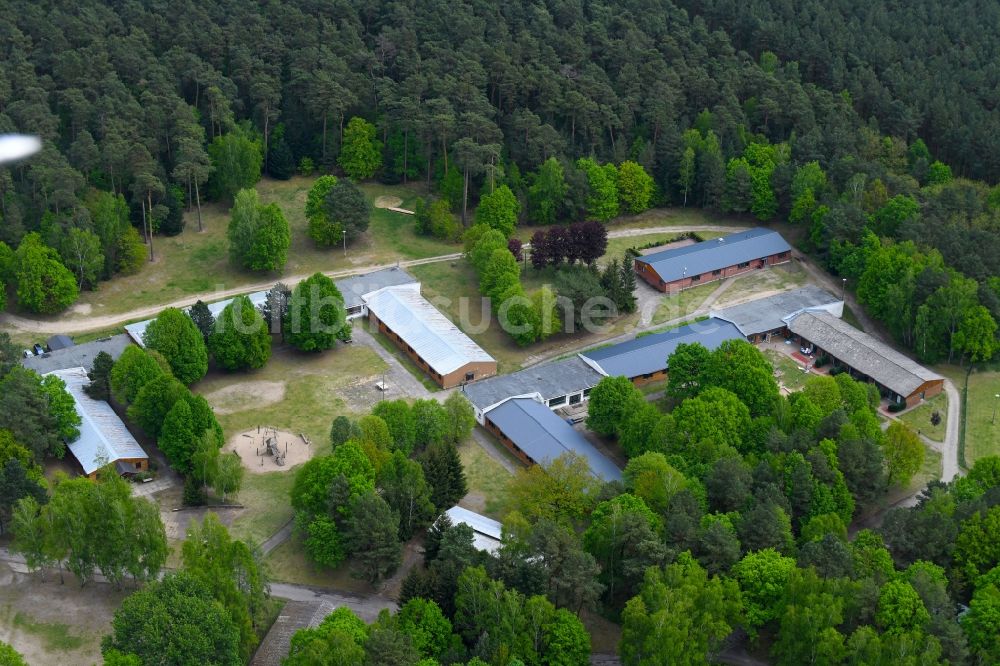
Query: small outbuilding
{"x":57,"y":342}
{"x":103,"y":438}
{"x":486,"y":532}
{"x":691,"y":265}
{"x":899,"y":378}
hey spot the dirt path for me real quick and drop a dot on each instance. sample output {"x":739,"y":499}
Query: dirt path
{"x":949,"y":448}
{"x":85,"y":324}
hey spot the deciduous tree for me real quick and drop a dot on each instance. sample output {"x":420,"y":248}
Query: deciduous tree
{"x":240,"y":339}
{"x":174,"y":335}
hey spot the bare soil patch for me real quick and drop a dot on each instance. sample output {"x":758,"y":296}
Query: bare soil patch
{"x":251,"y":446}
{"x":387,"y":201}
{"x":56,"y":624}
{"x":236,"y":397}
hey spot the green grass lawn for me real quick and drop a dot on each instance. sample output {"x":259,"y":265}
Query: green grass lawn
{"x":487,"y":479}
{"x":683,"y":303}
{"x":453,"y":287}
{"x":268,"y":507}
{"x":763,"y":282}
{"x":919,"y":418}
{"x":851,"y":318}
{"x":54,"y":636}
{"x":790,"y":373}
{"x":982,"y":436}
{"x":196,"y":262}
{"x":288,"y":563}
{"x":316,"y":390}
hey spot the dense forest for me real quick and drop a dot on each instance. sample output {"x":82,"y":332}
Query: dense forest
{"x":829,"y":116}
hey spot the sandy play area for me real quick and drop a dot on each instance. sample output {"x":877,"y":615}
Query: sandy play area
{"x":387,"y":202}
{"x":253,"y":451}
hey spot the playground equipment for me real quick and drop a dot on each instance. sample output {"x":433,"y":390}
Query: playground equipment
{"x":271,"y":446}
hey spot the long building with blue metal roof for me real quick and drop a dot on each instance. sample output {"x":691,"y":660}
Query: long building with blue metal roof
{"x":645,"y":359}
{"x":537,"y":435}
{"x":707,"y":261}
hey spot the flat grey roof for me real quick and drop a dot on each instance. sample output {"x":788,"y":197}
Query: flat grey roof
{"x":770,"y":313}
{"x":77,"y":356}
{"x":551,"y":380}
{"x":353,"y":288}
{"x":862,"y":352}
{"x":537,"y":431}
{"x":711,"y":255}
{"x":649,"y":354}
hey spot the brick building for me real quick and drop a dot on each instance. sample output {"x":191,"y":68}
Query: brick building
{"x":103,"y":438}
{"x":899,"y":378}
{"x":430,"y":339}
{"x":682,"y":267}
{"x":644,"y":360}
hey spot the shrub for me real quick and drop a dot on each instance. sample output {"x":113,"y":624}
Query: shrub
{"x":897,"y":407}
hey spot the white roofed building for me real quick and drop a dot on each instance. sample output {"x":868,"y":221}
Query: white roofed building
{"x":103,"y":439}
{"x":486,"y":532}
{"x":429,"y":338}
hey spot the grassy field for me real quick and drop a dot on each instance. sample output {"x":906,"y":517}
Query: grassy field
{"x":196,"y":262}
{"x":763,"y":282}
{"x":487,"y":479}
{"x":288,"y":563}
{"x":790,"y":373}
{"x":982,"y":436}
{"x":454,"y":288}
{"x":682,"y":303}
{"x":316,"y":389}
{"x":297,"y":392}
{"x":919,"y":418}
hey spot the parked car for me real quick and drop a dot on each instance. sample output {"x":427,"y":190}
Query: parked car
{"x":38,"y":349}
{"x":27,"y":353}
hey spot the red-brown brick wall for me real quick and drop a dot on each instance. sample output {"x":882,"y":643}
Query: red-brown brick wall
{"x":646,"y":272}
{"x":452,"y":379}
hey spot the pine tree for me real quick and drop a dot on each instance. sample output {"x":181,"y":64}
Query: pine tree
{"x":202,"y":318}
{"x":628,"y":286}
{"x":443,"y":471}
{"x":99,"y":387}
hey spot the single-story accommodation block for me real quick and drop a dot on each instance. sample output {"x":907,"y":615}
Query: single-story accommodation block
{"x":537,"y":436}
{"x":429,"y":338}
{"x":762,"y":318}
{"x":707,"y":261}
{"x":559,"y":384}
{"x":898,"y":377}
{"x":103,"y":439}
{"x":486,"y":532}
{"x":352,"y":288}
{"x":644,"y":359}
{"x":78,"y":356}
